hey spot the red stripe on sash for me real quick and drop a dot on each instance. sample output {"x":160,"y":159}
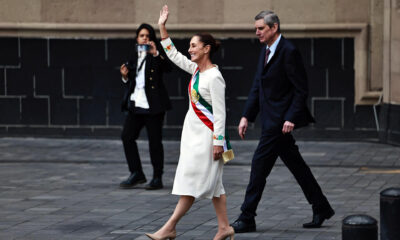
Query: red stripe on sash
{"x":201,"y":115}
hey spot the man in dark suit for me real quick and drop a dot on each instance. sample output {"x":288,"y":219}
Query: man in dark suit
{"x":145,"y":101}
{"x":279,"y":93}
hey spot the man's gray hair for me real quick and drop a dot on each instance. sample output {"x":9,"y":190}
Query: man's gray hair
{"x":270,"y":18}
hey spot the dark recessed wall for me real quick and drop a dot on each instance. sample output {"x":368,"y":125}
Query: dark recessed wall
{"x":389,"y":124}
{"x":73,"y":87}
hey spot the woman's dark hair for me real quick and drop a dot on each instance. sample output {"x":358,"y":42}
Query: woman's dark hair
{"x":152,"y":37}
{"x":208,"y":39}
{"x":152,"y":33}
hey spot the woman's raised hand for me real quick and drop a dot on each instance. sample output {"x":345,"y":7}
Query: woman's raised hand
{"x":163,"y":15}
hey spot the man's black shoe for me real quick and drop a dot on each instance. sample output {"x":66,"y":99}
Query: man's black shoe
{"x":319,"y":218}
{"x":155,"y":183}
{"x":133,"y":180}
{"x":242,"y":227}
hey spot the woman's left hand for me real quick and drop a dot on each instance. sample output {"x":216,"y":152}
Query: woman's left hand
{"x":153,"y":48}
{"x":218,"y":150}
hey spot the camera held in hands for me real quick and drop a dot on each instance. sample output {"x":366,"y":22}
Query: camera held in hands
{"x":143,"y":47}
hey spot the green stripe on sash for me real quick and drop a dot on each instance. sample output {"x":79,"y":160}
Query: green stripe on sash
{"x":201,"y":99}
{"x":207,"y":105}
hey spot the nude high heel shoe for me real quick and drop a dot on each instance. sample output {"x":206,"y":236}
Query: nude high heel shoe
{"x":170,"y":236}
{"x":230,"y":234}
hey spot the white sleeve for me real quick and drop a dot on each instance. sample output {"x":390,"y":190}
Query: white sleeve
{"x":178,"y":58}
{"x":217,"y":91}
{"x":125,"y":81}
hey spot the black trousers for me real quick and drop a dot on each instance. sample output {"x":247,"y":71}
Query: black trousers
{"x":130,"y":133}
{"x":268,"y":150}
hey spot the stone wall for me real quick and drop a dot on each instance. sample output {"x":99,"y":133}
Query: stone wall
{"x":390,"y":115}
{"x":359,"y":19}
{"x":47,"y":49}
{"x":67,"y":87}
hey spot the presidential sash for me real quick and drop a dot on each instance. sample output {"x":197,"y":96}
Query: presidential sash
{"x":205,"y":113}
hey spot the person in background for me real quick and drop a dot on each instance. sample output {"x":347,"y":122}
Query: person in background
{"x":145,"y":102}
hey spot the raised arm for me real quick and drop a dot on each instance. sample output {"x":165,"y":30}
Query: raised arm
{"x":162,"y":21}
{"x":172,"y":53}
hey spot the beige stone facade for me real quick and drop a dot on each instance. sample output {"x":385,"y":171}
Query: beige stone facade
{"x":391,"y":53}
{"x":375,"y":25}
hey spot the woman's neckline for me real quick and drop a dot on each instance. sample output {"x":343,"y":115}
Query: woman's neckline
{"x":213,"y":66}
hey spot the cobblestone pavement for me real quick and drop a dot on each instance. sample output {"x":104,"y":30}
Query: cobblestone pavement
{"x":68,"y":189}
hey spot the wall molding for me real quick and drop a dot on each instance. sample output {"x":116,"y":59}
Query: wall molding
{"x":121,"y":30}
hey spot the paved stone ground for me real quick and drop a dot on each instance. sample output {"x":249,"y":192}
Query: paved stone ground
{"x":68,"y":189}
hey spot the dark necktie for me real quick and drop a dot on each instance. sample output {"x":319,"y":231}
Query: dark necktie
{"x":266,"y":56}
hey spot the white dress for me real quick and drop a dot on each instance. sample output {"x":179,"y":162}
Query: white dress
{"x":198,"y":174}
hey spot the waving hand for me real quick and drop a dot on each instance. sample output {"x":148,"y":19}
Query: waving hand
{"x":163,"y":15}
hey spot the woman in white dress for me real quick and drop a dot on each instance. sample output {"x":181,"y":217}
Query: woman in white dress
{"x":200,"y":167}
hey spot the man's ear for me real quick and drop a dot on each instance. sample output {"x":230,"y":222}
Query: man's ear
{"x":275,"y":27}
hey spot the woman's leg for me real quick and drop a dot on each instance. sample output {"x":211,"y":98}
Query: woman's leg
{"x":224,"y":229}
{"x":183,"y":205}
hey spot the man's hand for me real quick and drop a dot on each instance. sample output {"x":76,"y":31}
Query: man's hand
{"x":287,"y":127}
{"x":243,"y":127}
{"x":218,"y":150}
{"x":124,"y":71}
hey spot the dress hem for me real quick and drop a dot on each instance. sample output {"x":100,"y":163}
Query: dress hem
{"x":199,"y":196}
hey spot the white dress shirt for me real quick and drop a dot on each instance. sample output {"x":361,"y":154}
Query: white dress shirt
{"x":139,"y":94}
{"x":273,"y":47}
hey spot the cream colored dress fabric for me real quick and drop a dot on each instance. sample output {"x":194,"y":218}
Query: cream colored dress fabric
{"x":197,"y":174}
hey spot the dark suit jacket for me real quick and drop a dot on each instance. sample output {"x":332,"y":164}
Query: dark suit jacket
{"x":156,"y":92}
{"x":279,"y":90}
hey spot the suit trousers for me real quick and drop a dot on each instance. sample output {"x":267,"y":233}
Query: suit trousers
{"x":269,"y":148}
{"x":132,"y":126}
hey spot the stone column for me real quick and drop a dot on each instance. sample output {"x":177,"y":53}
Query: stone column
{"x":390,"y":112}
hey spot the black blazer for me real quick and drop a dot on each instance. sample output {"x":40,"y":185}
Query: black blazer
{"x":156,"y":93}
{"x":279,"y":90}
